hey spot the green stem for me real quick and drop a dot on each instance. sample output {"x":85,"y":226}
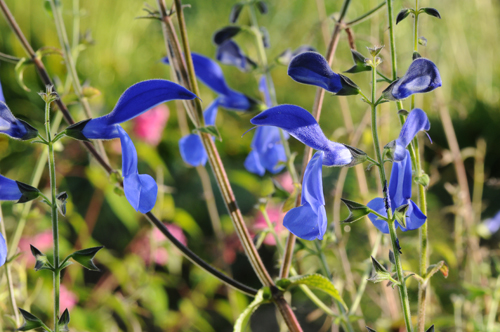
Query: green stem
{"x":54,"y":216}
{"x":365,"y":16}
{"x":403,"y":292}
{"x":493,"y":307}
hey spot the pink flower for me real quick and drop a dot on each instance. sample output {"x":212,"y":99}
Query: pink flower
{"x":42,"y":241}
{"x":286,"y":181}
{"x":67,"y":299}
{"x":276,"y":217}
{"x":149,"y":125}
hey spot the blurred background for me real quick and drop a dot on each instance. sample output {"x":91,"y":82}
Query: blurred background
{"x":145,"y":284}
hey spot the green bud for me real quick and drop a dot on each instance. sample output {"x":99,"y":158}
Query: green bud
{"x":86,"y":257}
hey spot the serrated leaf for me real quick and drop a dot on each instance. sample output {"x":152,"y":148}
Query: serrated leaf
{"x":19,"y":69}
{"x":235,"y":12}
{"x":243,"y":318}
{"x":30,"y":321}
{"x":211,"y":130}
{"x":86,"y":257}
{"x":225,"y":33}
{"x":403,"y":13}
{"x":431,"y":12}
{"x":64,"y":321}
{"x":356,"y":211}
{"x":313,"y":281}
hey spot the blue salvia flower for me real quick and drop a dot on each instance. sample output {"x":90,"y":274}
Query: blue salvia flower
{"x":3,"y":249}
{"x":267,"y":149}
{"x":303,"y":126}
{"x":312,"y":68}
{"x":229,"y":53}
{"x":417,"y":121}
{"x":308,"y":221}
{"x":140,"y":190}
{"x":422,"y":76}
{"x":210,"y":73}
{"x":287,"y":55}
{"x":493,"y":224}
{"x":12,"y":126}
{"x":399,"y":194}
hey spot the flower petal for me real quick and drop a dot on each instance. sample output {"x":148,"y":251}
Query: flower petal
{"x":14,"y":127}
{"x":415,"y":218}
{"x":422,"y":76}
{"x":312,"y":184}
{"x":140,"y":189}
{"x":312,"y":68}
{"x":192,"y":150}
{"x":9,"y":190}
{"x":306,"y":222}
{"x":253,"y":163}
{"x":401,"y":182}
{"x":303,"y":126}
{"x":210,"y":114}
{"x":263,"y":88}
{"x":417,"y":121}
{"x":377,"y":205}
{"x":3,"y":250}
{"x":272,"y":157}
{"x":2,"y":98}
{"x":229,"y":53}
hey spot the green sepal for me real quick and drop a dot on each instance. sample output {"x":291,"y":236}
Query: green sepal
{"x":349,"y":88}
{"x":30,"y":321}
{"x":64,"y":321}
{"x":313,"y":281}
{"x":31,"y":131}
{"x":381,"y":273}
{"x":375,"y":50}
{"x":61,"y":202}
{"x":221,"y":35}
{"x":400,"y":214}
{"x":389,"y":150}
{"x":423,"y":180}
{"x":235,"y":12}
{"x":262,"y":7}
{"x":359,"y":63}
{"x":75,"y":130}
{"x":430,"y":11}
{"x":28,"y":193}
{"x":263,"y":296}
{"x":358,"y":156}
{"x":403,"y":112}
{"x":403,"y":13}
{"x":356,"y":211}
{"x":430,"y":329}
{"x":387,"y":93}
{"x":211,"y":130}
{"x":42,"y":262}
{"x":86,"y":257}
{"x":370,"y":329}
{"x":416,"y":55}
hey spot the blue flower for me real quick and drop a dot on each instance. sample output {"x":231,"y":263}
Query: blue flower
{"x":3,"y":250}
{"x":312,"y":68}
{"x":493,"y":224}
{"x":417,"y":121}
{"x":12,"y":126}
{"x":422,"y":76}
{"x":303,"y":126}
{"x":229,"y":53}
{"x":287,"y":55}
{"x":11,"y":190}
{"x":399,"y":194}
{"x":140,"y":190}
{"x":308,"y":221}
{"x":2,"y":98}
{"x":267,"y":150}
{"x":210,"y":73}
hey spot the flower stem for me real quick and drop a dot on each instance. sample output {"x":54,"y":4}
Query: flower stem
{"x":53,"y":211}
{"x":403,"y":293}
{"x":316,"y":112}
{"x":366,"y":15}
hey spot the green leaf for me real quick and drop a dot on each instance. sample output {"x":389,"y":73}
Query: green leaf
{"x":235,"y":12}
{"x":263,"y":296}
{"x":30,"y":321}
{"x":42,"y":262}
{"x":86,"y":257}
{"x":431,"y":12}
{"x":402,"y":15}
{"x":64,"y":321}
{"x":211,"y":130}
{"x":400,"y":214}
{"x":19,"y":69}
{"x":314,"y":281}
{"x":356,"y":211}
